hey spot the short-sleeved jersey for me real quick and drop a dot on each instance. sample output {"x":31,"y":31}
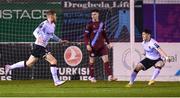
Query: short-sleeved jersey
{"x":46,"y":31}
{"x":150,"y":49}
{"x":95,"y":35}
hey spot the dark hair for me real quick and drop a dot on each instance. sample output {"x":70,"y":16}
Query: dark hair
{"x":51,"y":12}
{"x":147,"y":31}
{"x":95,"y":10}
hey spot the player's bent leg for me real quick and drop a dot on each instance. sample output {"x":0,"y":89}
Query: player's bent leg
{"x":156,"y":72}
{"x":50,"y":58}
{"x":134,"y":74}
{"x":108,"y":68}
{"x":21,"y":64}
{"x":53,"y":68}
{"x":160,"y":64}
{"x":91,"y":70}
{"x":31,"y":61}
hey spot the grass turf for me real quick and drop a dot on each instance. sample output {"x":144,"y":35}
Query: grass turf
{"x":85,"y":88}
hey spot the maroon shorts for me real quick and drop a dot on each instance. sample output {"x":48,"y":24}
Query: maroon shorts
{"x":99,"y":52}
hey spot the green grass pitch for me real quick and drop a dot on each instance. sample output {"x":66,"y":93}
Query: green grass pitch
{"x":41,"y":88}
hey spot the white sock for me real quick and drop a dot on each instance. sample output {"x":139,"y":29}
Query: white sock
{"x":54,"y":73}
{"x":155,"y":73}
{"x":133,"y":77}
{"x":17,"y":65}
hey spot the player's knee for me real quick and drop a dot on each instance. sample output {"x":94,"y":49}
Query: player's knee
{"x":105,"y":61}
{"x":138,"y":68}
{"x":105,"y":58}
{"x":91,"y":61}
{"x":135,"y":70}
{"x":28,"y":64}
{"x":158,"y":67}
{"x":159,"y":64}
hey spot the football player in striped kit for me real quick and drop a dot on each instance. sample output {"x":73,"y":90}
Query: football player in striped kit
{"x":97,"y":44}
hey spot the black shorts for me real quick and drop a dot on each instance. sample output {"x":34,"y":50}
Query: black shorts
{"x":39,"y":51}
{"x":100,"y":52}
{"x":148,"y":63}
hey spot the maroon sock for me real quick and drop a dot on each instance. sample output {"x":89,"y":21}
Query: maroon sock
{"x":91,"y":69}
{"x":108,"y":68}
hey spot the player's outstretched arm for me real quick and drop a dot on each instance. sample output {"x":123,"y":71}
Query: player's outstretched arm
{"x":57,"y":39}
{"x":163,"y":53}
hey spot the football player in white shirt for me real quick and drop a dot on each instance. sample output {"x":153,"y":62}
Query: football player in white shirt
{"x":43,"y":33}
{"x":153,"y":54}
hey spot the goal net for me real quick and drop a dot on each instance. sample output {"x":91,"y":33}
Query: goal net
{"x":19,"y":19}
